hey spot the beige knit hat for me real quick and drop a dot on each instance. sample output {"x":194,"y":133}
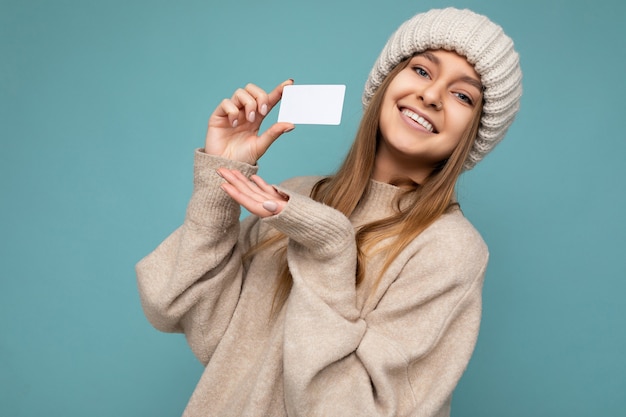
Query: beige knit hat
{"x":483,"y":43}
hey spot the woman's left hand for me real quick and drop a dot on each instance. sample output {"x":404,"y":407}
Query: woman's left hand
{"x":254,"y":194}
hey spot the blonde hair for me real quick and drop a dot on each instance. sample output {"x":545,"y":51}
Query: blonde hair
{"x":345,"y":189}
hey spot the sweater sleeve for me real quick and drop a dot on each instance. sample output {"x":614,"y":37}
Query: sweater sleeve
{"x":406,"y":355}
{"x":191,"y":282}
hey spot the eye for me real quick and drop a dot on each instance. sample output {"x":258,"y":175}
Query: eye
{"x":464,"y":98}
{"x":421,"y":72}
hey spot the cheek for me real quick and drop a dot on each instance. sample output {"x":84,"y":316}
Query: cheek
{"x":458,"y":131}
{"x":454,"y":141}
{"x":461,"y":122}
{"x":386,"y":114}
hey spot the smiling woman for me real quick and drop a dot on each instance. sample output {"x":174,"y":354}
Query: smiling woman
{"x":358,"y":293}
{"x":426,"y":110}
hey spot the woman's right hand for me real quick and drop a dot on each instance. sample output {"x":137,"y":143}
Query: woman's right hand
{"x":233,"y":130}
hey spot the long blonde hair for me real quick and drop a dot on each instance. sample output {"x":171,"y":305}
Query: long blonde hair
{"x":345,"y":189}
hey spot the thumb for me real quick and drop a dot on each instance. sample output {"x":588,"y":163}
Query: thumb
{"x":272,"y":133}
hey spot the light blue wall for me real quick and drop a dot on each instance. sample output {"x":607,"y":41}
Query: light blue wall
{"x":103,"y":102}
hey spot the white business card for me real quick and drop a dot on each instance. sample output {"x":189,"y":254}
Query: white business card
{"x":312,"y":104}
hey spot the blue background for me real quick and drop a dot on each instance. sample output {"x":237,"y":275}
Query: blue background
{"x":103,"y":102}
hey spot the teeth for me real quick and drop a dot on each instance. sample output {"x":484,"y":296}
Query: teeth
{"x":419,"y":119}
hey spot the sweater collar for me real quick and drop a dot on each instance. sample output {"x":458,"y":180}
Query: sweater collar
{"x":377,"y":203}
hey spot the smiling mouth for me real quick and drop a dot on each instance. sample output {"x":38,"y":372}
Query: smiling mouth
{"x":419,"y":120}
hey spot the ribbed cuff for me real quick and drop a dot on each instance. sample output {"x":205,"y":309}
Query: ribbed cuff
{"x":314,"y":225}
{"x":209,"y":204}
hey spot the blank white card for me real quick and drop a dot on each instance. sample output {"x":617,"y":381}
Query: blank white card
{"x":312,"y":104}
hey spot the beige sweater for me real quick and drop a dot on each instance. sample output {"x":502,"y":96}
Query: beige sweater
{"x":331,"y":351}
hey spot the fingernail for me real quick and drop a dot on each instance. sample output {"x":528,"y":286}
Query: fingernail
{"x":217,"y":171}
{"x":235,"y":123}
{"x":292,"y":81}
{"x":264,"y":109}
{"x":270,"y":206}
{"x":289,"y":129}
{"x":251,"y":117}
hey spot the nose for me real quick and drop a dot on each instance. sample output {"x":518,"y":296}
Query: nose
{"x":431,"y":96}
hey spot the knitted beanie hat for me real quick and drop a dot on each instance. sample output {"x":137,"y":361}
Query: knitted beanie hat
{"x":483,"y":43}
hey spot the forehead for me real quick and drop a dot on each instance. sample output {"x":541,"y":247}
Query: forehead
{"x":443,"y":57}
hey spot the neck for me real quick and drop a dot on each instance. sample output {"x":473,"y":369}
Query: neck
{"x":397,"y":171}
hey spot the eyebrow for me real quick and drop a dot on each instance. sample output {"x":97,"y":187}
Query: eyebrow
{"x":466,"y":78}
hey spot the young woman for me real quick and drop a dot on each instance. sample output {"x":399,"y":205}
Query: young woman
{"x":357,"y":294}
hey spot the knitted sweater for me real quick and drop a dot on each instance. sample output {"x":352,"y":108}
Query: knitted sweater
{"x":333,"y":349}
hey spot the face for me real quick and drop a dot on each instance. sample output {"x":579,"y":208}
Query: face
{"x":425,"y":111}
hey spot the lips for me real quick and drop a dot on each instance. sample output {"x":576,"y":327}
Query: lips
{"x":421,"y":120}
